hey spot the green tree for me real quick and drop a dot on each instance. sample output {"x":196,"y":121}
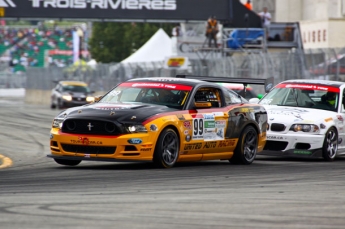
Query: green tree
{"x":114,"y":41}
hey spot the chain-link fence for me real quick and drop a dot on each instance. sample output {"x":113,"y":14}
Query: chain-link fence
{"x":320,"y":64}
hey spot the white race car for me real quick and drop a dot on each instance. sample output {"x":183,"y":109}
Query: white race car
{"x":305,"y":119}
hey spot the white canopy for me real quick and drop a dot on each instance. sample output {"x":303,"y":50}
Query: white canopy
{"x":156,"y":49}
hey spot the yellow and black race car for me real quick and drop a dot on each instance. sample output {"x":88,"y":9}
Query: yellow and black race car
{"x":164,"y":120}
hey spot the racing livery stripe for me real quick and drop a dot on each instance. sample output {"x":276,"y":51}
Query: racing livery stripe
{"x":157,"y":85}
{"x":308,"y":87}
{"x":221,"y":109}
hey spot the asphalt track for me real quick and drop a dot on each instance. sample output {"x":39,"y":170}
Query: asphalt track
{"x":35,"y":192}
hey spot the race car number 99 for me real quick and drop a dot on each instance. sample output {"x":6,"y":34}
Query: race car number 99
{"x":198,"y":127}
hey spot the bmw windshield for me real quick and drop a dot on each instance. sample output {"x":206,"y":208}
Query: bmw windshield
{"x":303,"y":95}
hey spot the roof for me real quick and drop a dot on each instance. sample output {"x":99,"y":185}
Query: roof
{"x":315,"y":81}
{"x":75,"y":83}
{"x":191,"y":82}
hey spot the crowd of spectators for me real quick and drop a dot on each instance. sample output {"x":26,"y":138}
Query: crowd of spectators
{"x":29,"y":46}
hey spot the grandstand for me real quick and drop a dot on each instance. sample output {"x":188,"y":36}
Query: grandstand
{"x":36,"y":46}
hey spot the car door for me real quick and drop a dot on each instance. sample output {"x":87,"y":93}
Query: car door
{"x":341,"y":120}
{"x":207,"y":125}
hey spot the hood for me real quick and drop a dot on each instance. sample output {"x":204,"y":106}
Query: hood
{"x":129,"y":113}
{"x":281,"y":114}
{"x":76,"y":94}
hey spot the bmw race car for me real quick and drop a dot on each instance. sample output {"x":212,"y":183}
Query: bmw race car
{"x":164,"y":120}
{"x":306,"y":119}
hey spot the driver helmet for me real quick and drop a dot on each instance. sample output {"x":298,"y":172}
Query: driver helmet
{"x":330,"y":97}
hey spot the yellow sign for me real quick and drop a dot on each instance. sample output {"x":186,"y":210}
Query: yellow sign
{"x":2,"y":12}
{"x":176,"y":62}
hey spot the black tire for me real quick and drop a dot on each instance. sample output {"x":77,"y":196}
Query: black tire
{"x":247,"y":147}
{"x":330,"y":145}
{"x":59,"y":104}
{"x":167,"y":149}
{"x":52,"y":106}
{"x":67,"y":162}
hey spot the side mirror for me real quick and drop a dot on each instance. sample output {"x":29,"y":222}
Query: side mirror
{"x":254,"y":100}
{"x":97,"y":98}
{"x":202,"y":104}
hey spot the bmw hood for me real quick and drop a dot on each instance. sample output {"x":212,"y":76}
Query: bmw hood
{"x":281,"y":114}
{"x":121,"y":112}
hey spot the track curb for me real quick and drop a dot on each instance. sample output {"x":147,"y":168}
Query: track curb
{"x":5,"y":162}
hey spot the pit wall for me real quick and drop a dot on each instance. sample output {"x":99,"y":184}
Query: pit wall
{"x":43,"y":96}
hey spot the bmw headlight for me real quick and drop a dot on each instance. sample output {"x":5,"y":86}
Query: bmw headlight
{"x":136,"y":129}
{"x":310,"y":128}
{"x":57,"y":122}
{"x":67,"y":97}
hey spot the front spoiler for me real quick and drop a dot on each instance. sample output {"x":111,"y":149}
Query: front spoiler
{"x":316,"y":153}
{"x":94,"y":159}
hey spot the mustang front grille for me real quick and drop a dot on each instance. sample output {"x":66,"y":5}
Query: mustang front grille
{"x":88,"y":149}
{"x":79,"y":126}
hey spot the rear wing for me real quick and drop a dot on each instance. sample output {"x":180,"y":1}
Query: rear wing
{"x":245,"y":81}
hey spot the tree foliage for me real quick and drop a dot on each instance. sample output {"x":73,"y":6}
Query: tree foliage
{"x":115,"y":41}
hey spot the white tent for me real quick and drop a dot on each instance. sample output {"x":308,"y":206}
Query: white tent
{"x":156,"y":49}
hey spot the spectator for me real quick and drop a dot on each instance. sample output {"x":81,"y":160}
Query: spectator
{"x":266,"y":20}
{"x":176,"y":31}
{"x":211,"y":31}
{"x":248,"y":5}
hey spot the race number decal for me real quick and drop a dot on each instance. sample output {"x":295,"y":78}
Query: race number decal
{"x":198,"y":128}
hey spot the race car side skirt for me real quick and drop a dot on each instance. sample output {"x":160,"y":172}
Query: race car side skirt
{"x":94,"y":159}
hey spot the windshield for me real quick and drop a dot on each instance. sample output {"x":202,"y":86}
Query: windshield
{"x":171,"y":95}
{"x":303,"y":95}
{"x":75,"y":88}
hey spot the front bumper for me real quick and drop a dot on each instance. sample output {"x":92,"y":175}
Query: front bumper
{"x":293,"y":145}
{"x":101,"y":148}
{"x":73,"y":103}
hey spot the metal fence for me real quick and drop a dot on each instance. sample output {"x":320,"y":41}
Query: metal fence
{"x":321,"y":64}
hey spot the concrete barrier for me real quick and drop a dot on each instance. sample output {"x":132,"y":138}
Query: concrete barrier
{"x":37,"y":96}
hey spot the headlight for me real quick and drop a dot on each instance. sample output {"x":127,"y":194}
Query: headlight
{"x":305,"y":128}
{"x":90,"y":99}
{"x":57,"y":122}
{"x":67,"y":97}
{"x":136,"y":129}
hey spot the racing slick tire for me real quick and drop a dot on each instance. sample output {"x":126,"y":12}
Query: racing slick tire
{"x":67,"y":162}
{"x":247,"y":147}
{"x":330,"y":145}
{"x":167,"y":149}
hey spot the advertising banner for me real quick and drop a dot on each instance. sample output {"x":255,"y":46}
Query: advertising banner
{"x":117,"y":10}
